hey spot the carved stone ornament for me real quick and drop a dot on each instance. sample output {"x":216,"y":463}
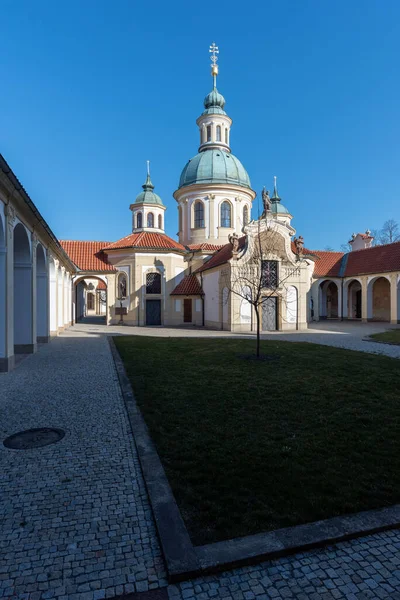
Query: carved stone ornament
{"x":35,"y":242}
{"x":11,"y":216}
{"x":299,"y":243}
{"x":234,"y":240}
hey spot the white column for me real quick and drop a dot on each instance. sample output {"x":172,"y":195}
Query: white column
{"x":52,"y":270}
{"x":66,"y":298}
{"x":3,"y":308}
{"x":60,"y":294}
{"x":33,"y":288}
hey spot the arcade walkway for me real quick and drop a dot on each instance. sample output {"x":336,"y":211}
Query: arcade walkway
{"x":75,"y":519}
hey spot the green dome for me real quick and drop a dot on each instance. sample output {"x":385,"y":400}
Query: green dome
{"x":214,"y":166}
{"x":214,"y":103}
{"x":276,"y":206}
{"x":148,"y":196}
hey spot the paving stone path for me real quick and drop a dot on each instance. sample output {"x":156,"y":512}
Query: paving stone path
{"x":75,"y":522}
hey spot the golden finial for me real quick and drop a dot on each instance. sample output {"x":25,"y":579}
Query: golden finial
{"x":214,"y":58}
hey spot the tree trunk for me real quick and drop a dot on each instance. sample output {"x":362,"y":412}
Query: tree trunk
{"x":258,"y":331}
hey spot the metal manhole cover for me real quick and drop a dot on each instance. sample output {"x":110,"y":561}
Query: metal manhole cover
{"x":34,"y":438}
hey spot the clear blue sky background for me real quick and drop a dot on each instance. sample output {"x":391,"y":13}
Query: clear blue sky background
{"x":91,"y":89}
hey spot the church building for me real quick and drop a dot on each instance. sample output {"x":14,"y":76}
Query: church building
{"x":226,"y":262}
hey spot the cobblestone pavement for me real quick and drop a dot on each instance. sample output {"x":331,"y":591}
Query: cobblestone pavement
{"x":75,"y":519}
{"x":358,"y":570}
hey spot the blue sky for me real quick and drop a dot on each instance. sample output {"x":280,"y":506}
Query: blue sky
{"x":92,"y":89}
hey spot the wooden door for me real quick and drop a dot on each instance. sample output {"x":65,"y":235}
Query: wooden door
{"x":187,"y":310}
{"x":153,"y":312}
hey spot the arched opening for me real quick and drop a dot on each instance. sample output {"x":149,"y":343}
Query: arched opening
{"x":150,"y":220}
{"x":398,"y":302}
{"x":225,"y":306}
{"x":226,"y":135}
{"x":291,"y":305}
{"x":245,"y":306}
{"x":52,"y":297}
{"x":379,"y":299}
{"x":91,"y":299}
{"x":159,"y":222}
{"x":23,"y":317}
{"x":42,"y":312}
{"x":60,"y":298}
{"x":2,"y":294}
{"x":354,"y":300}
{"x":226,"y":214}
{"x":218,"y":133}
{"x":208,"y":133}
{"x":198,"y":214}
{"x":245,"y":215}
{"x":139,"y":220}
{"x":329,"y":300}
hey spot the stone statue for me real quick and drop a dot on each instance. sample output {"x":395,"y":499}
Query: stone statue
{"x":234,"y":240}
{"x":122,"y":286}
{"x":266,"y":199}
{"x":299,"y":243}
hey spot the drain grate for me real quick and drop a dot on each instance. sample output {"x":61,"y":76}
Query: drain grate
{"x":34,"y":438}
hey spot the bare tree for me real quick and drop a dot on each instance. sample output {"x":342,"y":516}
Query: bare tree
{"x":345,"y":247}
{"x":390,"y":232}
{"x":260,"y":277}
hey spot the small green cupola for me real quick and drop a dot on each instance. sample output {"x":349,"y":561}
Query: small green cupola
{"x":148,"y":208}
{"x":148,"y":196}
{"x":277,"y":207}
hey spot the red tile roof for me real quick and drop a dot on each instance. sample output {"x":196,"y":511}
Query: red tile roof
{"x":222,"y":256}
{"x":327,"y":263}
{"x":88,"y":256}
{"x":101,"y":285}
{"x":378,"y":259}
{"x":205,"y":247}
{"x":146,"y":240}
{"x":189,"y":286}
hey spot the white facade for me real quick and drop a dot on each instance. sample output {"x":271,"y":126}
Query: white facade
{"x":35,"y":275}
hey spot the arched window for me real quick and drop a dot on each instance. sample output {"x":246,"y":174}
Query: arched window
{"x":226,"y":135}
{"x":159,"y":222}
{"x":218,"y":133}
{"x":226,"y":217}
{"x":139,"y":220}
{"x":180,"y":217}
{"x":150,"y":220}
{"x":245,"y":215}
{"x":208,"y":133}
{"x":153,"y":283}
{"x":198,"y":214}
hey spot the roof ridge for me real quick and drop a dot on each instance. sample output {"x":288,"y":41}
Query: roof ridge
{"x":377,"y":246}
{"x":86,"y":241}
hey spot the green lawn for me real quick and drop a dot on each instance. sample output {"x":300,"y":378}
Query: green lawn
{"x":251,"y":446}
{"x":392,"y":335}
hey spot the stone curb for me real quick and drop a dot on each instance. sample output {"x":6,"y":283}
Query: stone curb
{"x":369,"y":339}
{"x":179,"y":555}
{"x":185,"y":561}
